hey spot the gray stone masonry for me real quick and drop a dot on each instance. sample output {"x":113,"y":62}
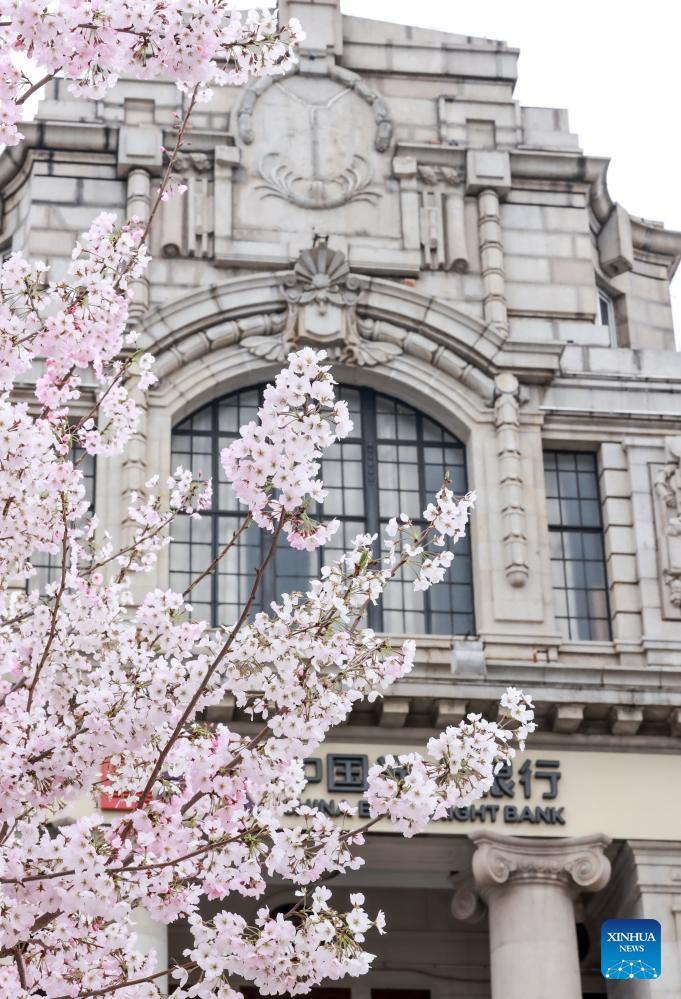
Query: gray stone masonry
{"x":480,"y":235}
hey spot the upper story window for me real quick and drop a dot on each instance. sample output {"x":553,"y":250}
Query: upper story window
{"x":606,"y":315}
{"x":580,"y":589}
{"x":393,"y":462}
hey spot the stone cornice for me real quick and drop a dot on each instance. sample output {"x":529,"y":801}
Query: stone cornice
{"x":647,"y":237}
{"x":579,"y":864}
{"x":56,"y":137}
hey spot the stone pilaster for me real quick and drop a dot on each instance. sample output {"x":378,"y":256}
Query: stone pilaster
{"x":507,"y":424}
{"x":137,"y":204}
{"x":492,"y":260}
{"x":530,"y":886}
{"x":488,"y":176}
{"x":646,"y":884}
{"x":405,"y":169}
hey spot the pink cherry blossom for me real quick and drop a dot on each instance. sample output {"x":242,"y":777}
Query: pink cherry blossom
{"x":106,"y":680}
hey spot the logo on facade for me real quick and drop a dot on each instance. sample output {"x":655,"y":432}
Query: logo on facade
{"x":631,"y":948}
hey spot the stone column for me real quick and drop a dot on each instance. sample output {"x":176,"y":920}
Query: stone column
{"x":530,"y":886}
{"x":488,"y":176}
{"x":492,"y":260}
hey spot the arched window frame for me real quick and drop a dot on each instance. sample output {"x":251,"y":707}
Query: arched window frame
{"x":204,"y":426}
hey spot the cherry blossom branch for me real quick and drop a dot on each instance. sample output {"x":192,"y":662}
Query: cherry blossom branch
{"x":189,"y":710}
{"x":35,"y":87}
{"x":20,"y":967}
{"x":181,"y":131}
{"x":128,"y":983}
{"x":55,"y":607}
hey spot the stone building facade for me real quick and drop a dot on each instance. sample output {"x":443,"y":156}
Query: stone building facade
{"x":488,"y":307}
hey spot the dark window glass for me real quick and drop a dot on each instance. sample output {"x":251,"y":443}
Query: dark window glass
{"x":580,"y":587}
{"x":393,"y":462}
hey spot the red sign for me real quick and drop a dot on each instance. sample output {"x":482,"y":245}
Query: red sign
{"x":116,"y":801}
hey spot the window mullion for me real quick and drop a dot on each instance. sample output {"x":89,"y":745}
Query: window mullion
{"x":370,"y":475}
{"x":215,"y":524}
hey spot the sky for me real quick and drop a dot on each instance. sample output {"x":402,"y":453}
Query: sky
{"x":616,"y":67}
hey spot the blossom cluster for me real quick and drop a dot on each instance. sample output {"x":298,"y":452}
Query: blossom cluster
{"x":447,"y":518}
{"x":51,"y":334}
{"x":273,"y":464}
{"x":107,"y":677}
{"x":412,"y":791}
{"x":196,"y":44}
{"x":217,"y":812}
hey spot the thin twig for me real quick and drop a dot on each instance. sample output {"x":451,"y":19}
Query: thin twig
{"x":246,"y":522}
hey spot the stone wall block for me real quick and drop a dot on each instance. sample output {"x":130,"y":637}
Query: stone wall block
{"x":487,"y":169}
{"x":140,"y":146}
{"x":615,"y":243}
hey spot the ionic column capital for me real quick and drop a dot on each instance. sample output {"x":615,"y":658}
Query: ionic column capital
{"x":578,"y":864}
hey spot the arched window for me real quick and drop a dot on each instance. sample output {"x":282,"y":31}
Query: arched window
{"x":393,"y":462}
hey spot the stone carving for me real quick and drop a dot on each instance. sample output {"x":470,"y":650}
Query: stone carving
{"x":308,"y":175}
{"x":466,"y":905}
{"x":579,"y":864}
{"x":352,"y":184}
{"x":435,"y":174}
{"x":384,"y":124}
{"x":322,"y":295}
{"x":513,"y":518}
{"x":349,"y":80}
{"x":667,"y":484}
{"x":196,"y":162}
{"x":186,"y":223}
{"x":433,"y":213}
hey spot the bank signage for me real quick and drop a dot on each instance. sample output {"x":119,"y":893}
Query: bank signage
{"x":631,"y":949}
{"x":342,"y":776}
{"x":544,"y":792}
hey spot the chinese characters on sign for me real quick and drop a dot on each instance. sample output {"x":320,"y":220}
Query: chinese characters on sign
{"x":346,"y":773}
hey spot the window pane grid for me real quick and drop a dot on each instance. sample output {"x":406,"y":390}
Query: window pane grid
{"x":393,"y":462}
{"x":576,"y":544}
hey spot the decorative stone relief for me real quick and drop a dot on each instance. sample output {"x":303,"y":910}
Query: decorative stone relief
{"x":321,"y":296}
{"x":466,"y":905}
{"x":351,"y":81}
{"x":352,"y":184}
{"x":432,"y":210}
{"x":579,"y":863}
{"x":186,"y":224}
{"x":513,"y":517}
{"x":321,"y":120}
{"x":667,"y":485}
